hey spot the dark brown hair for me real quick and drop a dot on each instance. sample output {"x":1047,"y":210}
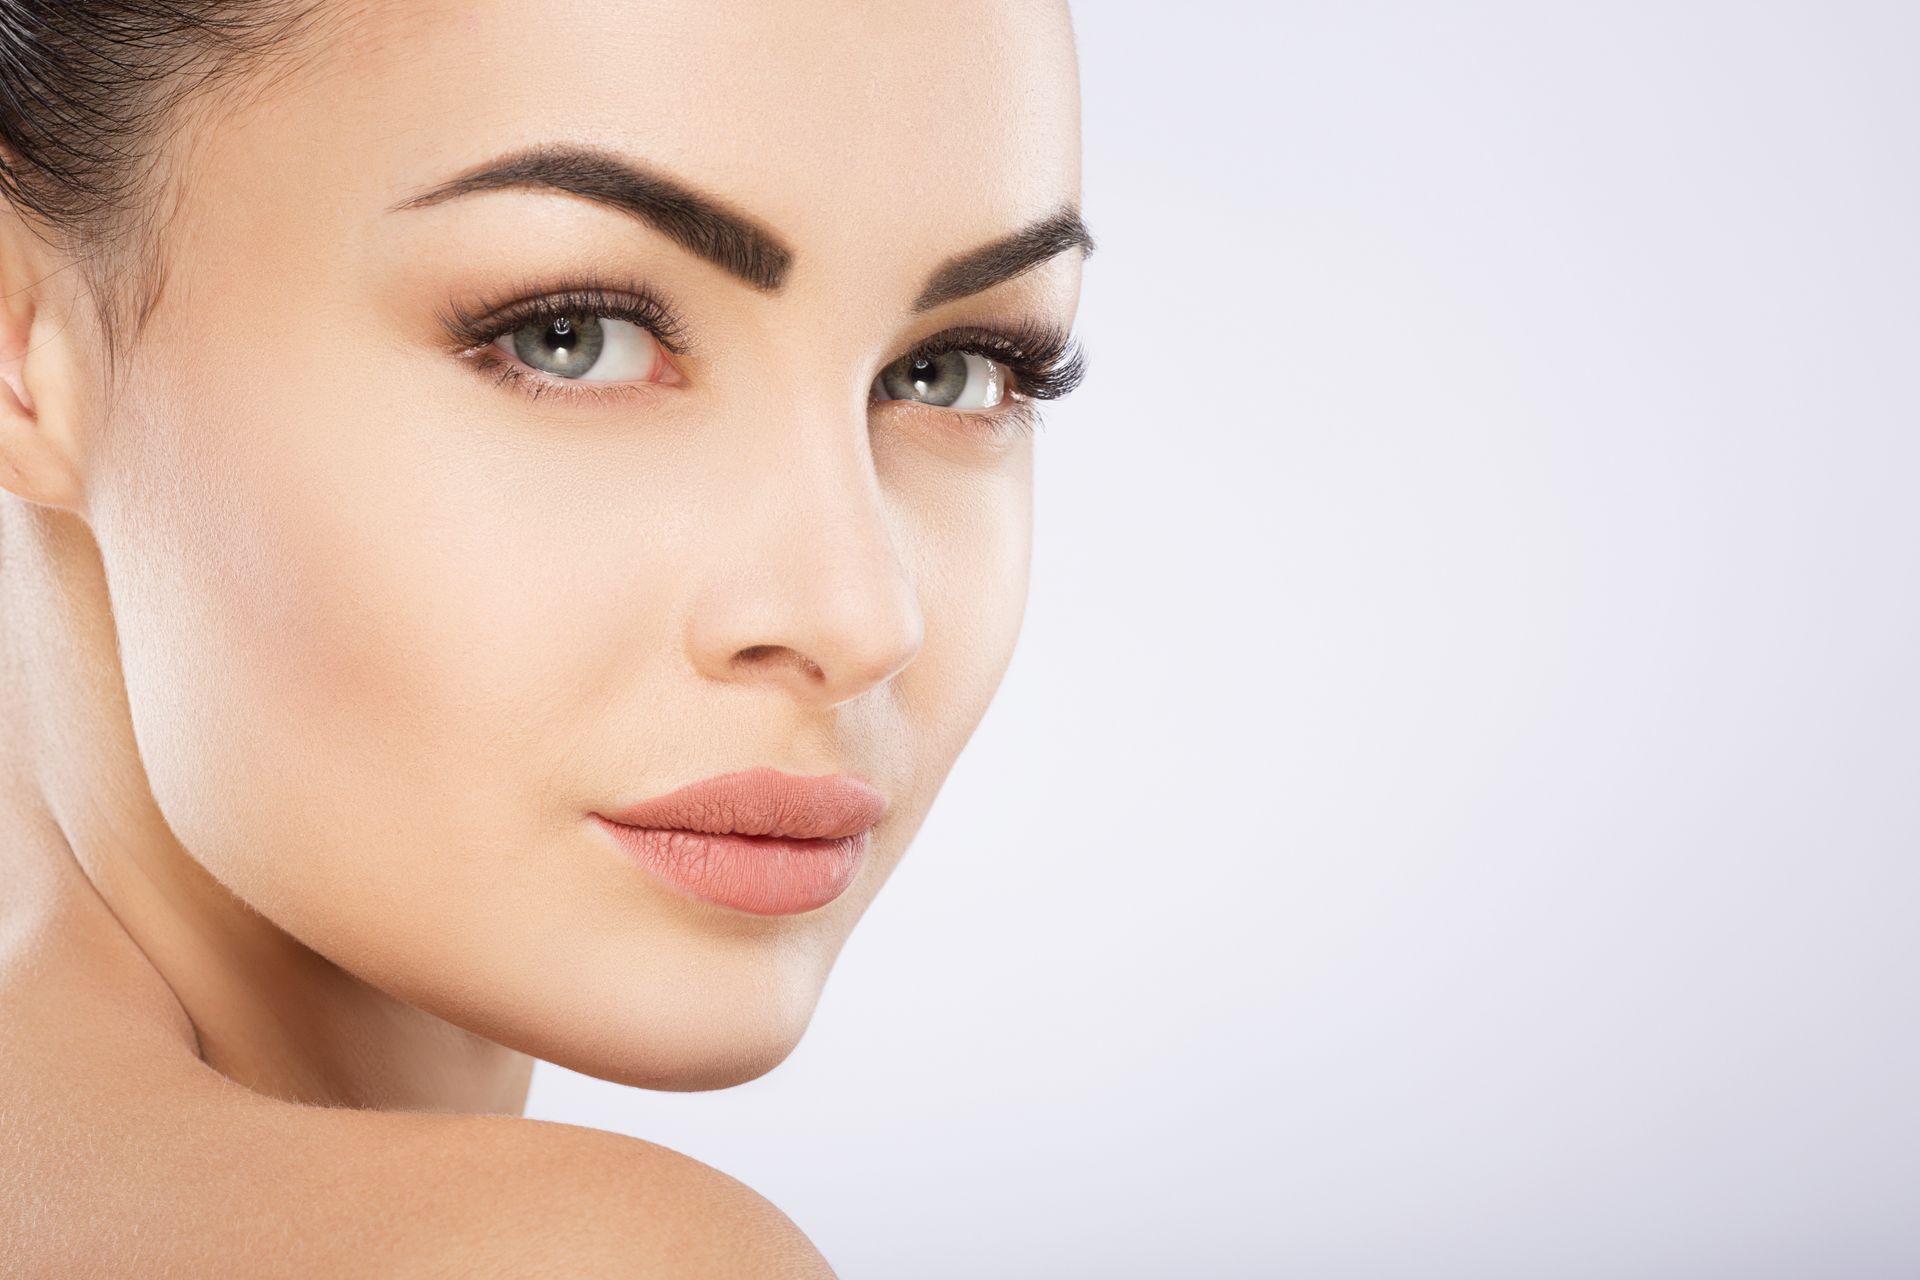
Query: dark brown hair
{"x":90,"y":92}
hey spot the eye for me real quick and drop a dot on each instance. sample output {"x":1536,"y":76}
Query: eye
{"x":585,"y":347}
{"x":947,"y":379}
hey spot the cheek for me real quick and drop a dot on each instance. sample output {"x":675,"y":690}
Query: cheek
{"x":973,"y":530}
{"x":358,"y":651}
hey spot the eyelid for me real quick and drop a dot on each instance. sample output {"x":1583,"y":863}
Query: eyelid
{"x":538,"y":384}
{"x":476,"y":331}
{"x":662,"y":371}
{"x":1044,"y":361}
{"x":471,"y":328}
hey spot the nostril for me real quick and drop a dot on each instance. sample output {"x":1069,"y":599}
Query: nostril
{"x":757,"y":654}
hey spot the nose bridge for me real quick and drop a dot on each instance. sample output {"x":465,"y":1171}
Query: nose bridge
{"x":811,"y":590}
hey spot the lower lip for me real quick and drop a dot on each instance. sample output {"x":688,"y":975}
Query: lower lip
{"x":766,"y":875}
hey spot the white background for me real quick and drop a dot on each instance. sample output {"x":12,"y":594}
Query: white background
{"x":1453,"y":812}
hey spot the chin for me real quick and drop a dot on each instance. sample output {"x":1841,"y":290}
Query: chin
{"x":721,"y":1073}
{"x":712,"y":1035}
{"x":718,"y":1059}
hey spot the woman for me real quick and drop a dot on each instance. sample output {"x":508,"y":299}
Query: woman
{"x":510,"y":515}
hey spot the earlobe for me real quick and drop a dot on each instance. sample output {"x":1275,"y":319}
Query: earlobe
{"x":13,"y":372}
{"x":37,"y":462}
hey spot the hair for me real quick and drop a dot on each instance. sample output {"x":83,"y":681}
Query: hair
{"x":91,"y":92}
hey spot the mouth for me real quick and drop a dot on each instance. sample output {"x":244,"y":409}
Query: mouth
{"x":759,"y":841}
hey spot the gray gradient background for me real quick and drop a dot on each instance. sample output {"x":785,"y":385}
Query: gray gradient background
{"x":1453,"y":811}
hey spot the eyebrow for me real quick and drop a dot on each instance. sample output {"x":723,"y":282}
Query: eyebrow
{"x":1005,"y":258}
{"x":732,"y":240}
{"x":698,"y":223}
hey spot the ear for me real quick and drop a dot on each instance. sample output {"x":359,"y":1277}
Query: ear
{"x":39,"y":457}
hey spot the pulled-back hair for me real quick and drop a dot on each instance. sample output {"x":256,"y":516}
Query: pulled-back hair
{"x":90,"y":92}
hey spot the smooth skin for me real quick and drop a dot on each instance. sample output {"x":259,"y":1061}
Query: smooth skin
{"x":318,"y":646}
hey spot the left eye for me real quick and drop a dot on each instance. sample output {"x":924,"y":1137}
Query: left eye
{"x":950,"y":380}
{"x":578,"y":344}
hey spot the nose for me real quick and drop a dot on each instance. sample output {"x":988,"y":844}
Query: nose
{"x":810,"y":593}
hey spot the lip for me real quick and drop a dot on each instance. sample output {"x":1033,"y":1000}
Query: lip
{"x":758,"y":840}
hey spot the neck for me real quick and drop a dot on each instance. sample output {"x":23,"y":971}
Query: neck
{"x":265,"y":1010}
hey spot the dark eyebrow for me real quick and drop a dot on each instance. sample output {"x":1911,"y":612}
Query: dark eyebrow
{"x":1005,"y":258}
{"x":697,"y":222}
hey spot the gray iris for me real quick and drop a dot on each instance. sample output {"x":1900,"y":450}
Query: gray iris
{"x":930,"y":379}
{"x":566,"y":347}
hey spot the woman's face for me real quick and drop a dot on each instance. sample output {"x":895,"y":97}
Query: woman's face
{"x":396,"y":620}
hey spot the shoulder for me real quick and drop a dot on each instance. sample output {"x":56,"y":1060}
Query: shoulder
{"x":533,"y":1197}
{"x":179,"y":1177}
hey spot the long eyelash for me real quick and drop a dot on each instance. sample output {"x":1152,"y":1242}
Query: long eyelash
{"x":481,"y":326}
{"x":473,"y":331}
{"x":1046,"y":362}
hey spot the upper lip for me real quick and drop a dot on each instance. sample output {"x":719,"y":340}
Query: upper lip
{"x":762,"y":802}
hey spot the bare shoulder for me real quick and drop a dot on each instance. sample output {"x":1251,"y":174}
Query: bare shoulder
{"x":196,"y":1178}
{"x":484,"y":1195}
{"x":121,"y":1154}
{"x":570,"y":1201}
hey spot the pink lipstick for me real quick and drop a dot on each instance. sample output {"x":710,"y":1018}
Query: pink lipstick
{"x":759,"y":840}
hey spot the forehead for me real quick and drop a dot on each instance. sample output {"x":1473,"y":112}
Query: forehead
{"x":832,"y":121}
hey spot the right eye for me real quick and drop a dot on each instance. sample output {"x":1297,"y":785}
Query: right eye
{"x":585,"y":347}
{"x":956,"y":379}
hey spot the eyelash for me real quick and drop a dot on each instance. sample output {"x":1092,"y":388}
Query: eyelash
{"x":1045,"y":362}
